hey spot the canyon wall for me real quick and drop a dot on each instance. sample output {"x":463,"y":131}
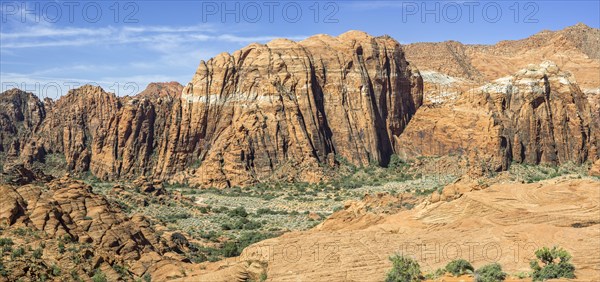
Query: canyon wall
{"x":295,"y":111}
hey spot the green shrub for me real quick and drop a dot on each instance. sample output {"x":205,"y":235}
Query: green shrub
{"x":61,"y":247}
{"x":523,"y":275}
{"x":252,"y":225}
{"x":205,"y":209}
{"x":490,"y":273}
{"x":6,"y":242}
{"x":55,"y":270}
{"x":552,"y":263}
{"x":122,"y":271}
{"x":436,"y":274}
{"x":396,"y":162}
{"x":211,"y":236}
{"x":99,"y":276}
{"x":17,"y":252}
{"x":404,"y":269}
{"x":66,"y":238}
{"x":172,"y":218}
{"x":75,"y":275}
{"x":20,"y":232}
{"x":230,"y":249}
{"x":459,"y":267}
{"x":3,"y":271}
{"x":38,"y":253}
{"x":197,"y":257}
{"x":234,"y":248}
{"x":248,"y":238}
{"x":263,"y":211}
{"x":147,"y":277}
{"x":238,"y":212}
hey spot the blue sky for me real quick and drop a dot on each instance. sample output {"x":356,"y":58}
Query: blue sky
{"x":49,"y":47}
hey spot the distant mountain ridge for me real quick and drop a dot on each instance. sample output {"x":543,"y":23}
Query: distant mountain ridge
{"x":574,"y":49}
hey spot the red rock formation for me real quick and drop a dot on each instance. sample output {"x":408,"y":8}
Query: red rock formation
{"x":285,"y":110}
{"x":21,"y":113}
{"x":573,"y":49}
{"x":279,"y":110}
{"x":67,"y":211}
{"x":161,"y":89}
{"x":109,"y":136}
{"x":285,"y":107}
{"x":536,"y":116}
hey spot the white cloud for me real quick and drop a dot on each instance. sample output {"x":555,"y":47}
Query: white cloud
{"x":159,"y":53}
{"x":50,"y":36}
{"x":45,"y":31}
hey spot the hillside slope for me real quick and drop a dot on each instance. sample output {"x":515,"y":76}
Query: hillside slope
{"x":504,"y":223}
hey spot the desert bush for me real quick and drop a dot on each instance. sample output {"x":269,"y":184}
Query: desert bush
{"x":436,"y":274}
{"x":55,"y":270}
{"x":61,"y":247}
{"x":252,"y":225}
{"x":424,"y":192}
{"x":235,"y":247}
{"x":3,"y":271}
{"x":522,"y":275}
{"x":404,"y":269}
{"x":396,"y":162}
{"x":263,"y":277}
{"x":210,"y":235}
{"x":205,"y":209}
{"x":6,"y":242}
{"x":75,"y":275}
{"x":490,"y":273}
{"x":174,"y":217}
{"x":21,"y":231}
{"x":459,"y":267}
{"x":197,"y":257}
{"x":230,"y":249}
{"x":552,"y":263}
{"x":121,"y":270}
{"x":242,"y":223}
{"x":263,"y":211}
{"x":227,"y":226}
{"x":17,"y":253}
{"x":99,"y":276}
{"x":37,"y":254}
{"x":65,"y":238}
{"x":221,"y":210}
{"x":249,"y":238}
